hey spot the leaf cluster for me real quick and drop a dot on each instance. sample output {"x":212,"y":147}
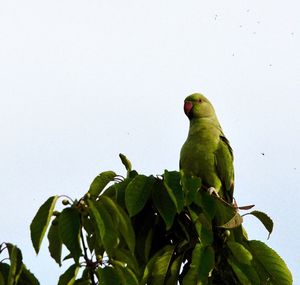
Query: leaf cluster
{"x":154,"y":230}
{"x":12,"y":269}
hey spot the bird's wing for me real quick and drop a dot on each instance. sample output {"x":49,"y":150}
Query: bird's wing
{"x":224,"y":166}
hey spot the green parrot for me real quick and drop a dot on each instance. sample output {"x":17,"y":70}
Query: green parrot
{"x":206,"y":152}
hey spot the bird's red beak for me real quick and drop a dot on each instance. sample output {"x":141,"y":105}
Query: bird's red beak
{"x":187,"y":107}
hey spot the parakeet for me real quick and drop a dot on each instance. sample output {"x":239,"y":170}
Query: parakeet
{"x":206,"y":152}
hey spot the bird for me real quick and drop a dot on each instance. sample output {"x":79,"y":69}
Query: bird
{"x":207,"y":153}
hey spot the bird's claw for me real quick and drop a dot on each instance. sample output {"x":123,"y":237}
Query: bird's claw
{"x":212,"y":190}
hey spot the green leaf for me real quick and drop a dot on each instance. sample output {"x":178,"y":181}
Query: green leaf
{"x":137,"y":193}
{"x":4,"y":270}
{"x":144,"y":235}
{"x":120,"y":191}
{"x":245,"y":273}
{"x":190,"y":186}
{"x":172,"y":184}
{"x":86,"y":273}
{"x":224,"y":214}
{"x":125,"y":162}
{"x":265,"y":220}
{"x":68,"y":278}
{"x":132,"y":174}
{"x":163,"y":203}
{"x":126,"y":257}
{"x":121,"y":221}
{"x":173,"y":274}
{"x":2,"y":280}
{"x":85,"y":278}
{"x":203,"y":226}
{"x":234,"y":222}
{"x":201,"y":266}
{"x":241,"y":254}
{"x":94,"y":242}
{"x":27,"y":277}
{"x":83,"y":281}
{"x":157,"y":267}
{"x":148,"y":244}
{"x":110,"y":192}
{"x":108,"y":275}
{"x":55,"y":242}
{"x":100,"y":182}
{"x":275,"y":268}
{"x":41,"y":221}
{"x":97,"y":221}
{"x":16,"y":264}
{"x":103,"y":223}
{"x":69,"y":229}
{"x":126,"y":275}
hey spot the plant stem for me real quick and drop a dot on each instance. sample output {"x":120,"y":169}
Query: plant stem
{"x":88,"y":261}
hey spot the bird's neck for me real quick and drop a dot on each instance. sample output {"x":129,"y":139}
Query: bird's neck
{"x":200,"y":125}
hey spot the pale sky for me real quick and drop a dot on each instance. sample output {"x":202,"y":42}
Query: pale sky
{"x":82,"y":81}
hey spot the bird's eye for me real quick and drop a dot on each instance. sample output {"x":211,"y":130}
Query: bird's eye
{"x":200,"y":101}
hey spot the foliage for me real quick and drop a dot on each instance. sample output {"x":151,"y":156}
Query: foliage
{"x":14,"y":272}
{"x":149,"y":230}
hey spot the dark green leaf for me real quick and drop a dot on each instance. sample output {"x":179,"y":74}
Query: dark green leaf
{"x":224,"y":214}
{"x":108,"y":275}
{"x":234,"y":222}
{"x":148,"y":244}
{"x":144,"y":234}
{"x":85,"y":278}
{"x":137,"y":193}
{"x":2,"y":280}
{"x":69,"y":230}
{"x":103,"y":223}
{"x":173,"y":274}
{"x":276,"y":270}
{"x":87,"y":224}
{"x":55,"y":242}
{"x":100,"y":182}
{"x":4,"y":270}
{"x":203,"y":226}
{"x":27,"y":277}
{"x":157,"y":267}
{"x":126,"y":257}
{"x":86,"y":273}
{"x":68,"y":256}
{"x":95,"y":243}
{"x":41,"y":221}
{"x":126,"y":275}
{"x":97,"y":222}
{"x":120,"y":191}
{"x":125,"y":162}
{"x":241,"y":254}
{"x":163,"y":203}
{"x":245,"y":273}
{"x":265,"y":219}
{"x":172,"y":184}
{"x":16,"y":264}
{"x":68,"y":278}
{"x":110,"y":192}
{"x":82,"y":281}
{"x":201,"y":266}
{"x":132,"y":174}
{"x":121,"y":221}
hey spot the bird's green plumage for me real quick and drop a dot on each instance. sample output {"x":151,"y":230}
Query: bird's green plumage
{"x":206,"y":152}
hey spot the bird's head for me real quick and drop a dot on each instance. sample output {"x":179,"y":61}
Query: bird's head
{"x":198,"y":106}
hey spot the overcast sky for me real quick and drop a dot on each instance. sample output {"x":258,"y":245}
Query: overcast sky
{"x":82,"y":81}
